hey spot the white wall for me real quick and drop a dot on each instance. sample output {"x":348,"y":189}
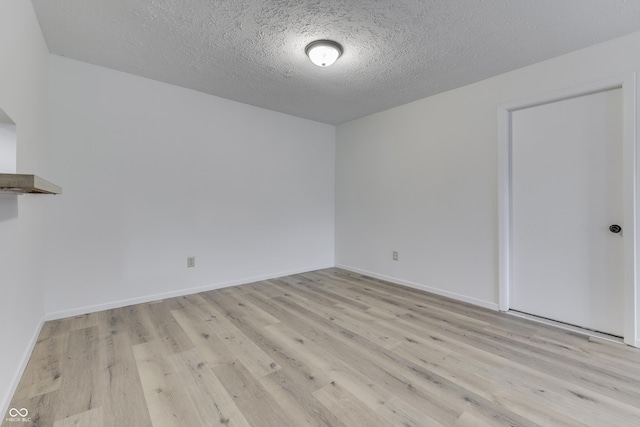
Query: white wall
{"x":153,"y":173}
{"x":422,"y":178}
{"x":23,"y":57}
{"x":8,"y":151}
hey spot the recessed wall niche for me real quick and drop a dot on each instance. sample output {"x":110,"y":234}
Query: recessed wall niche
{"x":10,"y":181}
{"x":8,"y":140}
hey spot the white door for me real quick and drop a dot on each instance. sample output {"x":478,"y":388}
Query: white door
{"x":566,"y":188}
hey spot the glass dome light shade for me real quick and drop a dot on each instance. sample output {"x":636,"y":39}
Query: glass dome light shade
{"x":323,"y":52}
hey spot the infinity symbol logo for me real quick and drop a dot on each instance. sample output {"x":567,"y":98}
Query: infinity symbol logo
{"x":13,"y":412}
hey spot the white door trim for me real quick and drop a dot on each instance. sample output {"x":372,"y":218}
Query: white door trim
{"x":630,"y":177}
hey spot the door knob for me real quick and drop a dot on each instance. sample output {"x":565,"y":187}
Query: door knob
{"x":615,"y":228}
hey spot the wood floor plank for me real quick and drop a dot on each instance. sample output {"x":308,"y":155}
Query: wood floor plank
{"x":294,"y":392}
{"x":304,"y":288}
{"x":324,"y":290}
{"x":296,"y":379}
{"x":80,"y":390}
{"x":470,"y":419}
{"x":43,"y":372}
{"x":134,"y":320}
{"x":597,"y":378}
{"x":279,"y":349}
{"x":335,"y":341}
{"x":256,"y":403}
{"x":211,"y":400}
{"x":90,"y":418}
{"x":324,"y":348}
{"x":545,"y":388}
{"x":327,"y":368}
{"x":53,"y":328}
{"x":233,"y":307}
{"x":175,"y":303}
{"x":400,"y":413}
{"x":367,"y":357}
{"x":210,"y":348}
{"x":84,"y":321}
{"x":252,"y":357}
{"x":119,"y":379}
{"x":167,"y":330}
{"x":344,"y":316}
{"x":346,"y":407}
{"x":489,"y":385}
{"x":167,"y":401}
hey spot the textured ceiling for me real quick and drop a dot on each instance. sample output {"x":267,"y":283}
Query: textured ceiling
{"x":395,"y":51}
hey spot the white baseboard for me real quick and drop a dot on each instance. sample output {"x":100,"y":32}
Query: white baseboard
{"x":172,"y":294}
{"x":13,"y":386}
{"x":464,"y":298}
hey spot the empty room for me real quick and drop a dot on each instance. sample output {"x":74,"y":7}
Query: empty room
{"x":324,"y":213}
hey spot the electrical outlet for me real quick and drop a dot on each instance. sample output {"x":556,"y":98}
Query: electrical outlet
{"x":395,"y":255}
{"x":191,"y":261}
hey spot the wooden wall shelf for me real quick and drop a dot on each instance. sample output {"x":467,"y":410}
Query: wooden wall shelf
{"x":13,"y":183}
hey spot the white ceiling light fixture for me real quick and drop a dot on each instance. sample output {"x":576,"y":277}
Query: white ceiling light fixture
{"x":323,"y":52}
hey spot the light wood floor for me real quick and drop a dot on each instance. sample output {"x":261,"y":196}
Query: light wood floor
{"x":328,"y":348}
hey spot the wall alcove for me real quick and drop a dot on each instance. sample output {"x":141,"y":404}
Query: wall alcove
{"x":10,"y":181}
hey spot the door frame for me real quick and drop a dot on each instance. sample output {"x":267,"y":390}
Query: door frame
{"x":630,"y":161}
